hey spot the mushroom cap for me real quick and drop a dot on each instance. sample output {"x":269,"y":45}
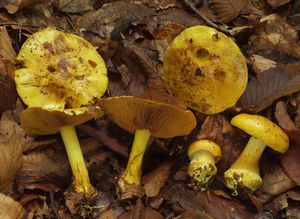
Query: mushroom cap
{"x":60,"y":70}
{"x":205,"y":145}
{"x":262,"y":129}
{"x":39,"y":121}
{"x":162,"y":120}
{"x":206,"y":69}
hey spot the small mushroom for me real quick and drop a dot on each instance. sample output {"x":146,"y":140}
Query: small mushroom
{"x":205,"y":68}
{"x":61,"y":76}
{"x":243,"y":176}
{"x":204,"y":154}
{"x":145,"y":118}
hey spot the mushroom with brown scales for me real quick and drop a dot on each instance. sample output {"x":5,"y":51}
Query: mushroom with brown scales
{"x":243,"y":176}
{"x":204,"y":154}
{"x":61,"y":76}
{"x":144,"y":118}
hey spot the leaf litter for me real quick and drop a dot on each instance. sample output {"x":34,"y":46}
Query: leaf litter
{"x":132,"y":37}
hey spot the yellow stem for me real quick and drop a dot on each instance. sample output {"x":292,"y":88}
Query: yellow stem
{"x":203,"y":157}
{"x":249,"y":158}
{"x":132,"y":174}
{"x":81,"y":176}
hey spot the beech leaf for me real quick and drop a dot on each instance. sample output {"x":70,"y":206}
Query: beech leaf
{"x":273,"y":84}
{"x":10,"y":209}
{"x":227,"y":10}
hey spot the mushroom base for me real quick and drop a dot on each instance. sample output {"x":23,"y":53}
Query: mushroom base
{"x":242,"y":181}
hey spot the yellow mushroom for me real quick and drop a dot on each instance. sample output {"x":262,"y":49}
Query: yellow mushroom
{"x":204,"y":154}
{"x":61,"y":75}
{"x":145,"y":118}
{"x":243,"y":176}
{"x":205,"y":68}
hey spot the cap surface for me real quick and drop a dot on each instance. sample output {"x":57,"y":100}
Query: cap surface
{"x":206,"y":69}
{"x":262,"y":129}
{"x":162,"y":120}
{"x":205,"y":145}
{"x":39,"y":121}
{"x":60,"y":70}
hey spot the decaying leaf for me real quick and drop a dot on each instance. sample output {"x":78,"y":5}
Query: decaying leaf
{"x":155,"y":180}
{"x":277,"y":3}
{"x":283,"y":118}
{"x":11,"y":149}
{"x":6,"y":50}
{"x":275,"y":36}
{"x":229,"y":9}
{"x":13,"y":6}
{"x":75,"y":6}
{"x":10,"y":209}
{"x":261,"y":64}
{"x":275,"y":181}
{"x":273,"y":84}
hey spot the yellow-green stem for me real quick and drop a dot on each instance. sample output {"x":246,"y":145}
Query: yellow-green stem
{"x":249,"y":158}
{"x":81,"y":176}
{"x":132,"y":174}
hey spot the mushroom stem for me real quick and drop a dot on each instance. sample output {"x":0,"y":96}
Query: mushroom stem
{"x":249,"y":158}
{"x":132,"y":174}
{"x":81,"y":176}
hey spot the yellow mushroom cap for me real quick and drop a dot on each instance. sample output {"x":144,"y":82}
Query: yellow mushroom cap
{"x":39,"y":121}
{"x":162,"y":120}
{"x":60,"y":70}
{"x":205,"y":145}
{"x":206,"y":69}
{"x":262,"y":129}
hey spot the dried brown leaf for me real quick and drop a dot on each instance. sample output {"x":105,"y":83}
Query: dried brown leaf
{"x":273,"y":84}
{"x":11,"y":149}
{"x":10,"y":209}
{"x":155,"y":180}
{"x":13,"y":6}
{"x":109,"y":214}
{"x":261,"y":64}
{"x":277,"y":3}
{"x":273,"y":37}
{"x":283,"y":118}
{"x":227,"y":10}
{"x":75,"y":6}
{"x":6,"y":50}
{"x":275,"y":181}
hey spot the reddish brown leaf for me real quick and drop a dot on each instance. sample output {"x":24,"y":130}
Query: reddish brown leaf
{"x":155,"y":180}
{"x":283,"y":118}
{"x":13,"y":6}
{"x":273,"y":84}
{"x":109,"y":214}
{"x":10,"y":209}
{"x":277,"y":3}
{"x":6,"y":50}
{"x":227,"y":10}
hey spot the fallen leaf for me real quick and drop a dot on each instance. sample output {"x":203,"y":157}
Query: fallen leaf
{"x":158,"y":4}
{"x":261,"y":64}
{"x":283,"y":118}
{"x":13,"y":6}
{"x":277,"y":204}
{"x":217,"y":129}
{"x":6,"y":50}
{"x":275,"y":36}
{"x":141,"y":212}
{"x":192,"y":214}
{"x":11,"y":149}
{"x":293,"y":211}
{"x":277,"y":3}
{"x":154,"y":181}
{"x":227,"y":10}
{"x":10,"y":209}
{"x":275,"y":181}
{"x":75,"y":6}
{"x":273,"y":84}
{"x":109,"y":214}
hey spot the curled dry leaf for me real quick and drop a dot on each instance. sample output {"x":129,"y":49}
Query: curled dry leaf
{"x":275,"y":181}
{"x":273,"y":84}
{"x":6,"y":50}
{"x":155,"y":180}
{"x":275,"y":36}
{"x":10,"y":209}
{"x":75,"y":6}
{"x":261,"y":64}
{"x":227,"y":10}
{"x":11,"y":150}
{"x":283,"y":118}
{"x":13,"y":6}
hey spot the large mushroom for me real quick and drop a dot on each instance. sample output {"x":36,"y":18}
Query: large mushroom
{"x":61,"y":76}
{"x":145,"y":118}
{"x":206,"y":69}
{"x":243,"y":176}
